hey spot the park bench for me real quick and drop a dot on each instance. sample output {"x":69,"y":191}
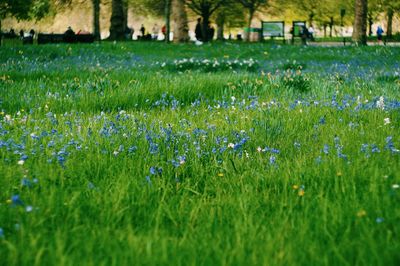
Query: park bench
{"x":44,"y":38}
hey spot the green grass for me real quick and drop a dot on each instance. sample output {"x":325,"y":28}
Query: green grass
{"x":108,"y":158}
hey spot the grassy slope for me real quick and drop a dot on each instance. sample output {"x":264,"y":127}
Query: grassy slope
{"x":93,"y":205}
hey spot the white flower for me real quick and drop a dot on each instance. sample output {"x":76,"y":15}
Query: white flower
{"x":395,"y":186}
{"x":7,"y":117}
{"x":386,"y":121}
{"x":21,"y":162}
{"x":116,"y":153}
{"x":380,"y":103}
{"x":259,"y":149}
{"x":231,"y":145}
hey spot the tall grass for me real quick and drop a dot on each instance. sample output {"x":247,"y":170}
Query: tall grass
{"x":109,"y":159}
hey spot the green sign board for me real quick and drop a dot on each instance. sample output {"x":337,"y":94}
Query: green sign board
{"x":298,"y":28}
{"x":273,"y":28}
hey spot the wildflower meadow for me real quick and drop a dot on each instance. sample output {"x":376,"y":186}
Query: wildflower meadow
{"x":220,"y":154}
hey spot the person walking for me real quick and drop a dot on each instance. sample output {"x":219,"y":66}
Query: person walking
{"x":155,"y":32}
{"x":304,"y":35}
{"x":311,"y":33}
{"x":379,"y":33}
{"x":142,"y":30}
{"x":198,"y":31}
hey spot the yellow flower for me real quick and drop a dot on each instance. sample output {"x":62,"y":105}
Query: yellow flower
{"x":301,"y":193}
{"x":220,"y":174}
{"x":361,"y":213}
{"x":339,"y":173}
{"x":295,"y":187}
{"x":8,"y":201}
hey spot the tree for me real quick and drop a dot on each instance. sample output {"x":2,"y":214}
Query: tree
{"x":389,"y":7}
{"x":167,"y":13}
{"x":252,"y":6}
{"x":229,"y":15}
{"x":360,"y":22}
{"x":96,"y":19}
{"x":330,"y":13}
{"x":158,"y":8}
{"x":181,"y":29}
{"x":23,"y":9}
{"x":205,"y":8}
{"x":117,"y":27}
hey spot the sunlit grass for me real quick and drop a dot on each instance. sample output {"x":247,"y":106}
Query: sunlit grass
{"x":107,"y":158}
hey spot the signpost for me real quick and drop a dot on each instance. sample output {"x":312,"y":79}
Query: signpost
{"x":272,"y":29}
{"x":297,"y":29}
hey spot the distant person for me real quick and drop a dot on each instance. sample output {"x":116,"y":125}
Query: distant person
{"x":292,"y":33}
{"x":32,"y":33}
{"x":198,"y":31}
{"x":142,"y":30}
{"x":304,"y":35}
{"x":311,"y":33}
{"x":379,"y":33}
{"x":210,"y":32}
{"x":12,"y":33}
{"x":164,"y":31}
{"x":155,"y":32}
{"x":69,"y":35}
{"x":21,"y":34}
{"x":129,"y":33}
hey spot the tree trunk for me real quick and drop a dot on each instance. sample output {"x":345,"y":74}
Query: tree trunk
{"x":389,"y":23}
{"x":181,"y":31}
{"x":167,"y":19}
{"x":125,"y":7}
{"x":204,"y":28}
{"x":370,"y":22}
{"x":220,"y":25}
{"x":311,"y":18}
{"x":96,"y":19}
{"x":117,"y":27}
{"x":360,"y":22}
{"x":331,"y":23}
{"x":1,"y":33}
{"x":250,"y":19}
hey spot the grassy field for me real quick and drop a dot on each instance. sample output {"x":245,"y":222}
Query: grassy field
{"x":222,"y":154}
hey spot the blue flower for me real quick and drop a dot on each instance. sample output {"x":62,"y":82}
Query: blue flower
{"x":132,"y":149}
{"x":148,"y":180}
{"x":25,"y":182}
{"x":153,"y":170}
{"x":15,"y":200}
{"x":375,"y":149}
{"x":91,"y":185}
{"x":379,"y":220}
{"x":326,"y":149}
{"x":1,"y":233}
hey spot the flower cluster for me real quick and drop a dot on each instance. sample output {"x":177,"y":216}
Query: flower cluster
{"x":210,"y":65}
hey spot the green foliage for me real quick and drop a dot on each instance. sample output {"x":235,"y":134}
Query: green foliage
{"x":295,"y":80}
